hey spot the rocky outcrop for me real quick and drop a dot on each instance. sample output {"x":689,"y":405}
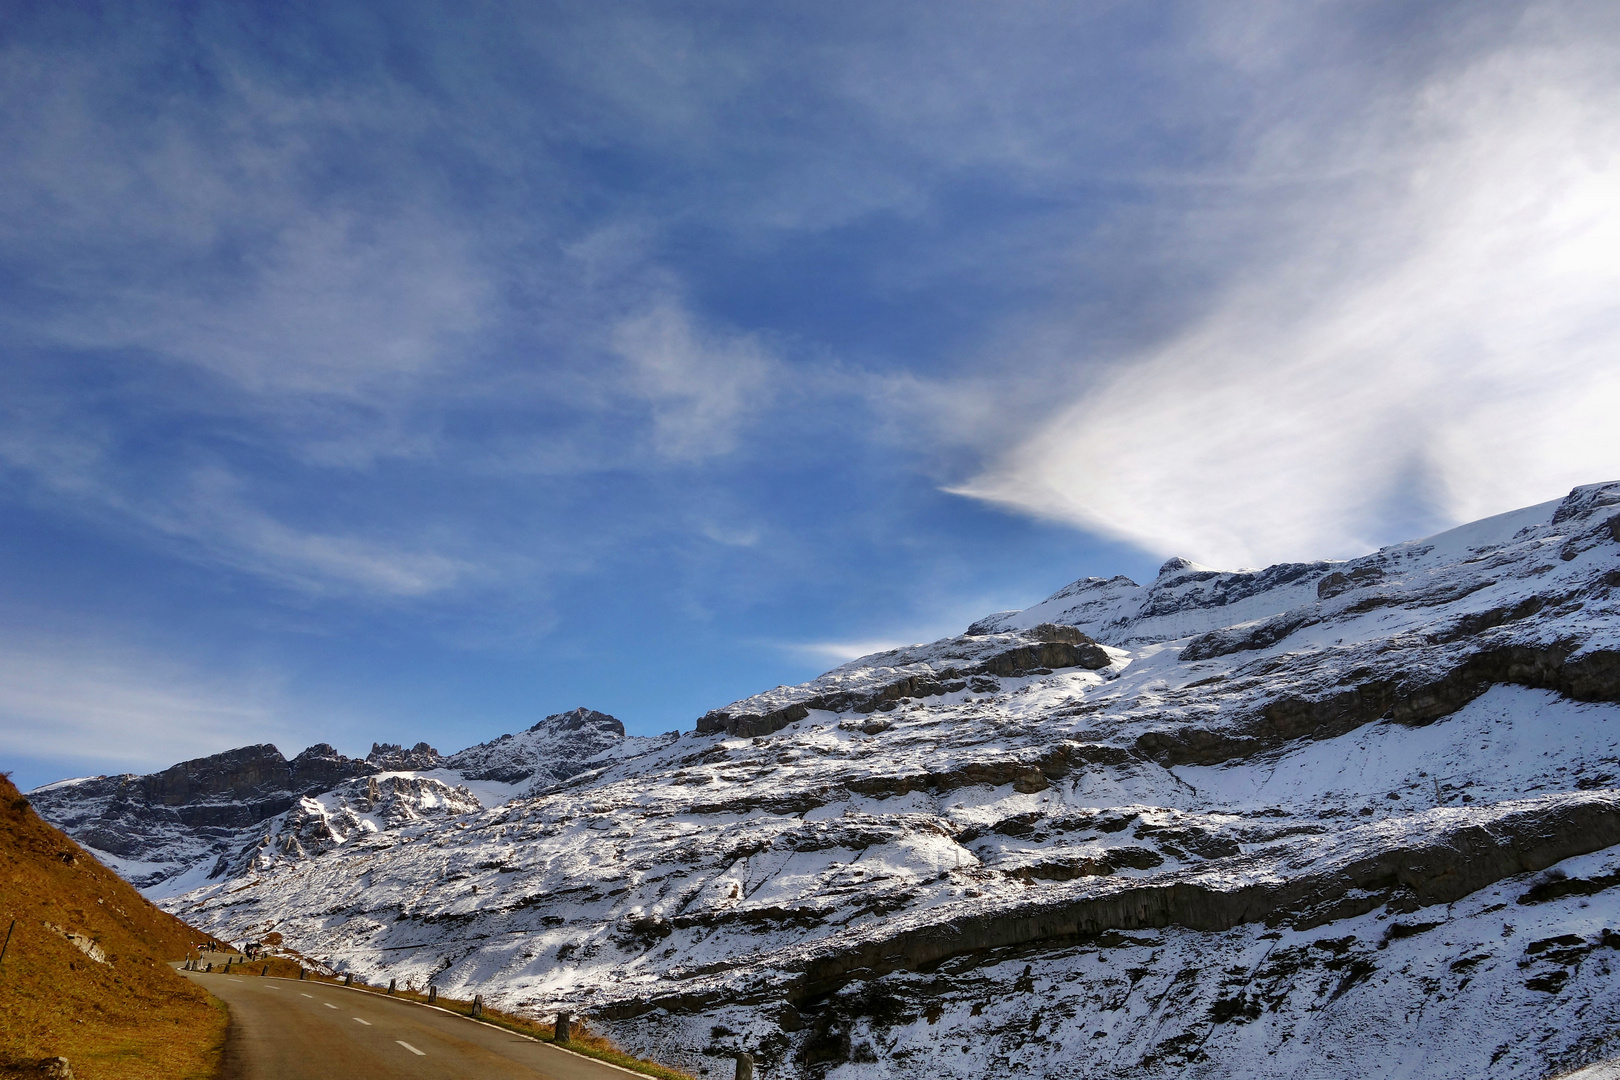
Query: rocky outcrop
{"x":320,"y":768}
{"x":1261,"y":635}
{"x":1025,"y":774}
{"x":1045,"y":648}
{"x":1180,"y":587}
{"x":243,"y":775}
{"x":1413,"y":699}
{"x":1340,"y":582}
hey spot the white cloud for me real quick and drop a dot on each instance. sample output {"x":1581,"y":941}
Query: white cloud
{"x":201,"y":239}
{"x":703,"y":387}
{"x":841,"y":652}
{"x":732,"y":537}
{"x":207,"y":515}
{"x":1444,"y":327}
{"x":226,"y":529}
{"x":97,"y":706}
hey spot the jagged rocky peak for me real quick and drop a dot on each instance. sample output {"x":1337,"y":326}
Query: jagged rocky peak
{"x":393,"y":757}
{"x":580,"y":719}
{"x":555,"y":748}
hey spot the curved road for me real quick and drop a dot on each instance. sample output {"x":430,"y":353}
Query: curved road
{"x":284,"y":1029}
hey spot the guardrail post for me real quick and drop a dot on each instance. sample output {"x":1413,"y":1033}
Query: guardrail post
{"x":433,"y":994}
{"x":348,"y":980}
{"x":565,"y":1026}
{"x":390,"y":986}
{"x":301,"y":973}
{"x":745,"y":1066}
{"x":478,"y":1005}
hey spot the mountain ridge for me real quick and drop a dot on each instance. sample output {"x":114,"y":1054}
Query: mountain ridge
{"x":1129,"y":831}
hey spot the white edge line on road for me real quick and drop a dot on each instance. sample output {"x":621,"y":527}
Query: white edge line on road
{"x":411,"y":1048}
{"x":497,"y":1027}
{"x":357,"y":1020}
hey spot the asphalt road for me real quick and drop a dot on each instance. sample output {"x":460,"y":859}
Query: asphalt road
{"x":287,"y":1029}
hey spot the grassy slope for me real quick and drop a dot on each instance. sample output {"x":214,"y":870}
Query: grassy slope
{"x":134,"y":1019}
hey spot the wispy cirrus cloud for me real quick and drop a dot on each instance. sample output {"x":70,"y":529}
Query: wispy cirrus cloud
{"x":841,"y":652}
{"x":205,"y":235}
{"x":105,"y":706}
{"x":703,"y":387}
{"x":1432,"y":339}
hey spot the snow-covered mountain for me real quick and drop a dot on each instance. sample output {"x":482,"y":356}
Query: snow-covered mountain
{"x":1317,"y":820}
{"x":215,"y":816}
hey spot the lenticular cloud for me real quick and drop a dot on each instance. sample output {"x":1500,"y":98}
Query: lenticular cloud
{"x":1443,"y":341}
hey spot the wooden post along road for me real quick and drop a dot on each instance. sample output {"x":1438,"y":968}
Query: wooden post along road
{"x":287,"y":1029}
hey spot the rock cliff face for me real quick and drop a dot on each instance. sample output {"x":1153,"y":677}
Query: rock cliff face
{"x":1317,"y":820}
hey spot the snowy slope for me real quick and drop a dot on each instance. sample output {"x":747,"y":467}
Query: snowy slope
{"x":1325,"y":819}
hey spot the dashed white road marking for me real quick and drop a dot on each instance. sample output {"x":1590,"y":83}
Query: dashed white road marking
{"x":329,"y":1005}
{"x":357,"y":1020}
{"x":411,"y":1048}
{"x":310,"y":996}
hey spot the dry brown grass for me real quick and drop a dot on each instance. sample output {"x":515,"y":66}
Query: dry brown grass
{"x":132,"y":1019}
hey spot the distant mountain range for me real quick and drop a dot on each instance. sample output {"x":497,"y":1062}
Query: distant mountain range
{"x":1331,"y":819}
{"x":205,"y":818}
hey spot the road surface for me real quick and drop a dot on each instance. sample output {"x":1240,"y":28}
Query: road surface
{"x":287,"y":1029}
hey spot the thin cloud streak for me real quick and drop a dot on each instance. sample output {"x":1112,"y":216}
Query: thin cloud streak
{"x":840,"y":652}
{"x":1444,"y":331}
{"x":107,"y":707}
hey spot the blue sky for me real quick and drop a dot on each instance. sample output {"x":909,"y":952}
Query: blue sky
{"x":397,"y":372}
